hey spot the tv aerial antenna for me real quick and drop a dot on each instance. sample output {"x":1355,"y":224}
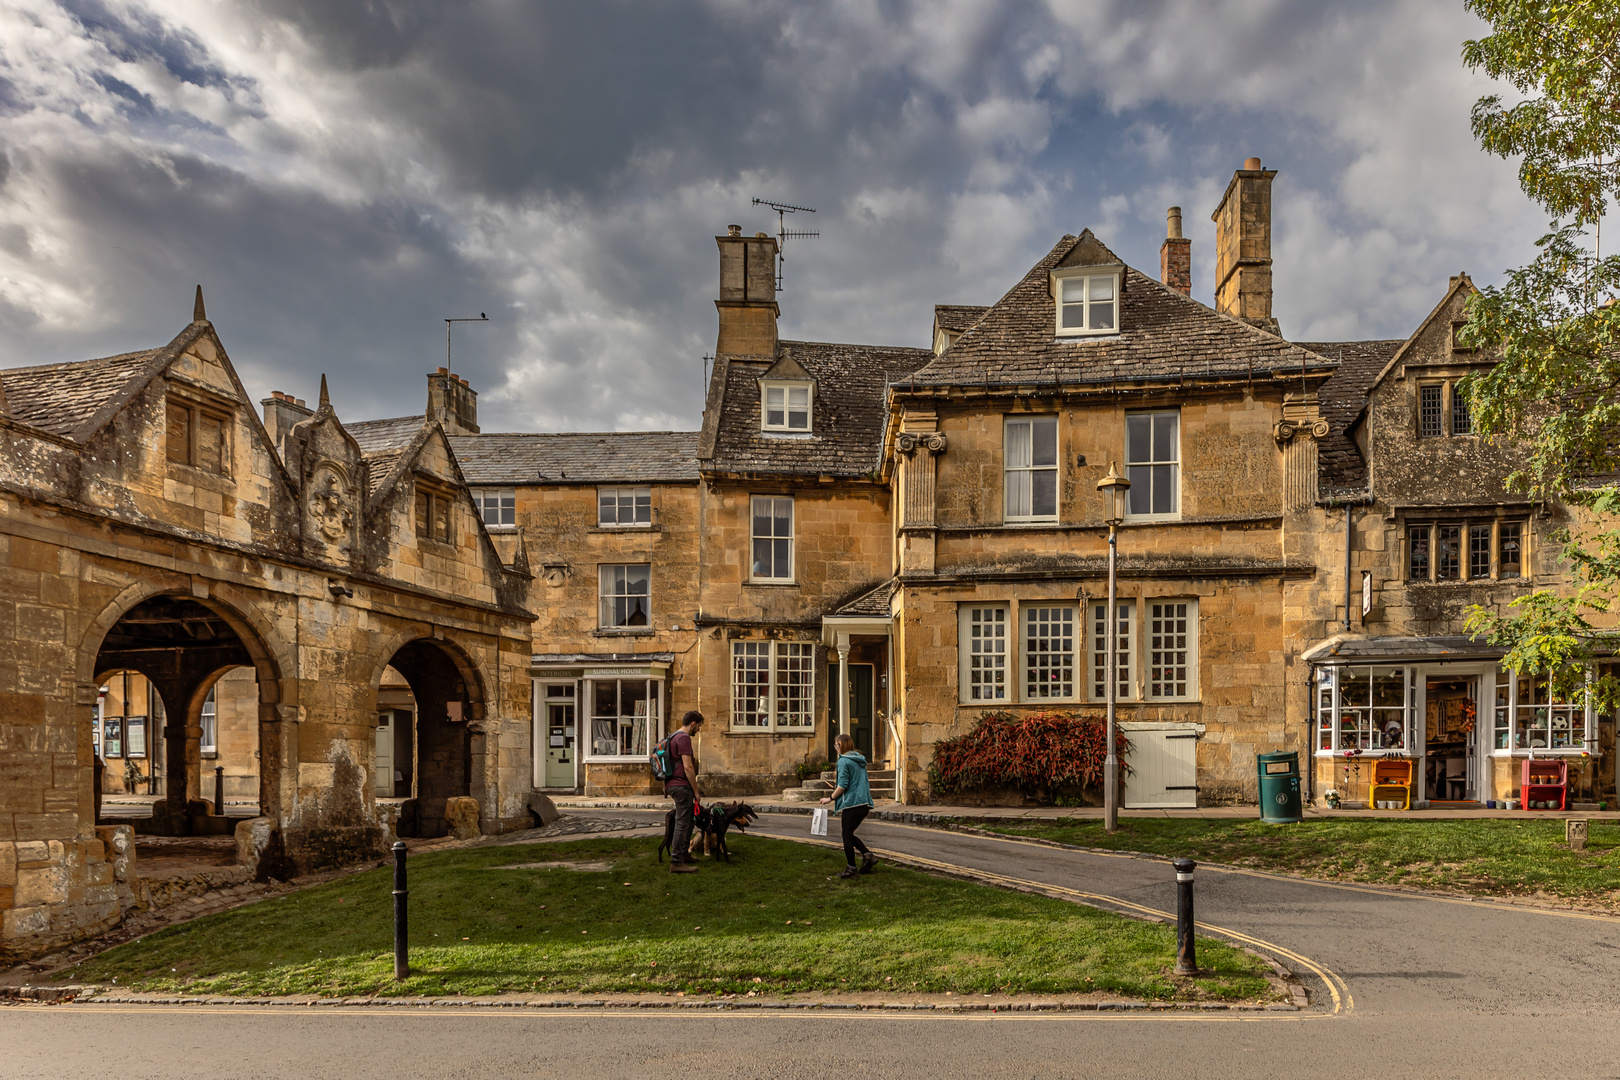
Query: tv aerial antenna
{"x":784,"y":234}
{"x":447,"y":324}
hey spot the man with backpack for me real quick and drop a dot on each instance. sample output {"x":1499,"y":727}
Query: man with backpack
{"x":680,"y":784}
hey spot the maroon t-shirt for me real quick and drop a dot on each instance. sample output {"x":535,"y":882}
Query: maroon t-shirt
{"x":680,"y":745}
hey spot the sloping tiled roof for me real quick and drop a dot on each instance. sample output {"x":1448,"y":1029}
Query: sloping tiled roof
{"x":871,"y":603}
{"x":60,"y":398}
{"x":609,"y":457}
{"x":849,"y":411}
{"x":1339,"y":464}
{"x":378,"y":466}
{"x":375,"y":436}
{"x":1163,"y":334}
{"x":957,"y":317}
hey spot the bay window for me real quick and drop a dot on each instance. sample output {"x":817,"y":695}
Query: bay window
{"x":1369,"y":709}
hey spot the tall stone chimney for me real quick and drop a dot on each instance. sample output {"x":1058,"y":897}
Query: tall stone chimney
{"x":1243,"y":247}
{"x":1175,"y":255}
{"x":281,"y":412}
{"x":747,"y":301}
{"x":452,"y":403}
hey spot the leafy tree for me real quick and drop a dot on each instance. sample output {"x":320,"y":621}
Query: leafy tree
{"x":1555,"y":322}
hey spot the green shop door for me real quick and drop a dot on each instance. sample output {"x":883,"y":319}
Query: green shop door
{"x":861,"y":709}
{"x":559,"y":736}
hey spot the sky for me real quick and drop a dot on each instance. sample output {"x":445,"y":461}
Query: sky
{"x":342,"y":175}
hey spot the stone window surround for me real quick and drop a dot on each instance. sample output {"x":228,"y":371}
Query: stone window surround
{"x":1448,"y":417}
{"x":199,"y":405}
{"x":1417,"y":523}
{"x":1009,"y":472}
{"x":432,"y":494}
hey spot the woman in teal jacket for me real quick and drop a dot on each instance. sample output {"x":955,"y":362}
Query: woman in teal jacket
{"x":852,"y":798}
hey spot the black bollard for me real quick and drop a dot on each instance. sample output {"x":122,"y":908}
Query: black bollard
{"x":219,"y":790}
{"x":1186,"y":957}
{"x":402,"y":958}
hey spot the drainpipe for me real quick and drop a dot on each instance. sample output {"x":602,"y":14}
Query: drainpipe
{"x":1349,"y":535}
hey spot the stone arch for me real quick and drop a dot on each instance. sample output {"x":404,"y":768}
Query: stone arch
{"x":184,"y":686}
{"x":446,"y":755}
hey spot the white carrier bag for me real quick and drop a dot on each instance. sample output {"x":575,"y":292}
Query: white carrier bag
{"x":818,"y":821}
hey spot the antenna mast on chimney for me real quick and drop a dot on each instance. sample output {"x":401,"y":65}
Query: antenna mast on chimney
{"x":481,"y":318}
{"x":783,"y":233}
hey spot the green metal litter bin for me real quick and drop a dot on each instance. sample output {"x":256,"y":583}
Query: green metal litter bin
{"x":1279,"y":787}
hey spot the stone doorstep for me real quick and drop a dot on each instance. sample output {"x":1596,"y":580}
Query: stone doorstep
{"x":97,"y":995}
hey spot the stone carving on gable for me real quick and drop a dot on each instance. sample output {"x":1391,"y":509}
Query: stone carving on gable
{"x":331,"y":514}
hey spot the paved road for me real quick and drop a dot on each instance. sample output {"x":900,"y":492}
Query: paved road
{"x":1428,"y":989}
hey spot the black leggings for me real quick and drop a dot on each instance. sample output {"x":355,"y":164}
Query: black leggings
{"x":852,"y":819}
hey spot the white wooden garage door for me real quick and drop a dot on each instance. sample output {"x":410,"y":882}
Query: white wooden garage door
{"x":1165,"y":760}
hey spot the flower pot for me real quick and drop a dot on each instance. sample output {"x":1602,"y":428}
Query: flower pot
{"x":1513,"y":804}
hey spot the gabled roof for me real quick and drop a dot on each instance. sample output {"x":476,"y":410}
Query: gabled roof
{"x":1163,"y":335}
{"x":375,"y":436}
{"x":60,"y":398}
{"x":1340,"y":466}
{"x":849,"y":414}
{"x":606,"y":457}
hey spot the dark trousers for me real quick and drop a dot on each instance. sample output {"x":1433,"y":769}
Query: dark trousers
{"x":852,"y":819}
{"x":682,"y":841}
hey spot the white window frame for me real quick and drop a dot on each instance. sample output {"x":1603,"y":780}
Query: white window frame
{"x":1086,"y":280}
{"x":776,"y":577}
{"x":1021,"y":477}
{"x":1097,"y":651}
{"x":779,"y":696}
{"x":1330,"y":690}
{"x":1039,"y":614}
{"x":984,"y":634}
{"x":208,"y":718}
{"x":1152,"y":635}
{"x":609,"y":574}
{"x":1151,"y":463}
{"x":1519,"y":726}
{"x":636,"y":498}
{"x":499,"y":503}
{"x":789,"y":411}
{"x":651,"y":721}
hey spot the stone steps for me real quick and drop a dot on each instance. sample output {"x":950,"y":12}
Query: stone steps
{"x":881,"y":781}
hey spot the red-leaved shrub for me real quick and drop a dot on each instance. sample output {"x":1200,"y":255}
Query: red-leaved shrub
{"x":1050,"y":750}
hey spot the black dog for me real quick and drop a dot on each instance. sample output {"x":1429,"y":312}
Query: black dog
{"x":709,"y":827}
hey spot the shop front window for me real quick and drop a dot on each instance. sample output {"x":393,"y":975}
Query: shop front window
{"x":626,"y":718}
{"x":1365,"y":708}
{"x":1545,"y":721}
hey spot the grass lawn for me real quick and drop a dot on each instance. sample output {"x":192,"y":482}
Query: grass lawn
{"x":1487,"y":857}
{"x":775,"y":921}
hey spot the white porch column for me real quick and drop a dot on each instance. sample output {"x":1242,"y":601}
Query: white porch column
{"x":843,"y":684}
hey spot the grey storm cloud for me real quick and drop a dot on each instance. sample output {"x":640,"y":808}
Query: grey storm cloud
{"x":341,"y":176}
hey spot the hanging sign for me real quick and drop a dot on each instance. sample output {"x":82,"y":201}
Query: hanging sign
{"x":1366,"y":592}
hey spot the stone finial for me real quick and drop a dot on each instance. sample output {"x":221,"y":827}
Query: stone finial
{"x":198,"y":312}
{"x":326,"y":399}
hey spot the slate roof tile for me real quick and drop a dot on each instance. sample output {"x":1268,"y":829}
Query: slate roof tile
{"x":1340,"y":468}
{"x":873,"y":602}
{"x":375,"y":436}
{"x":59,"y":398}
{"x":1163,"y":334}
{"x":849,"y":412}
{"x":608,"y":457}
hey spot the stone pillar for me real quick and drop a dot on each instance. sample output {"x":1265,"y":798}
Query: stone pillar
{"x":1297,"y":434}
{"x":920,"y":447}
{"x":843,"y":684}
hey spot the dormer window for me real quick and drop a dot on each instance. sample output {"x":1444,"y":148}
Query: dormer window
{"x":786,"y":406}
{"x":1087,"y":302}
